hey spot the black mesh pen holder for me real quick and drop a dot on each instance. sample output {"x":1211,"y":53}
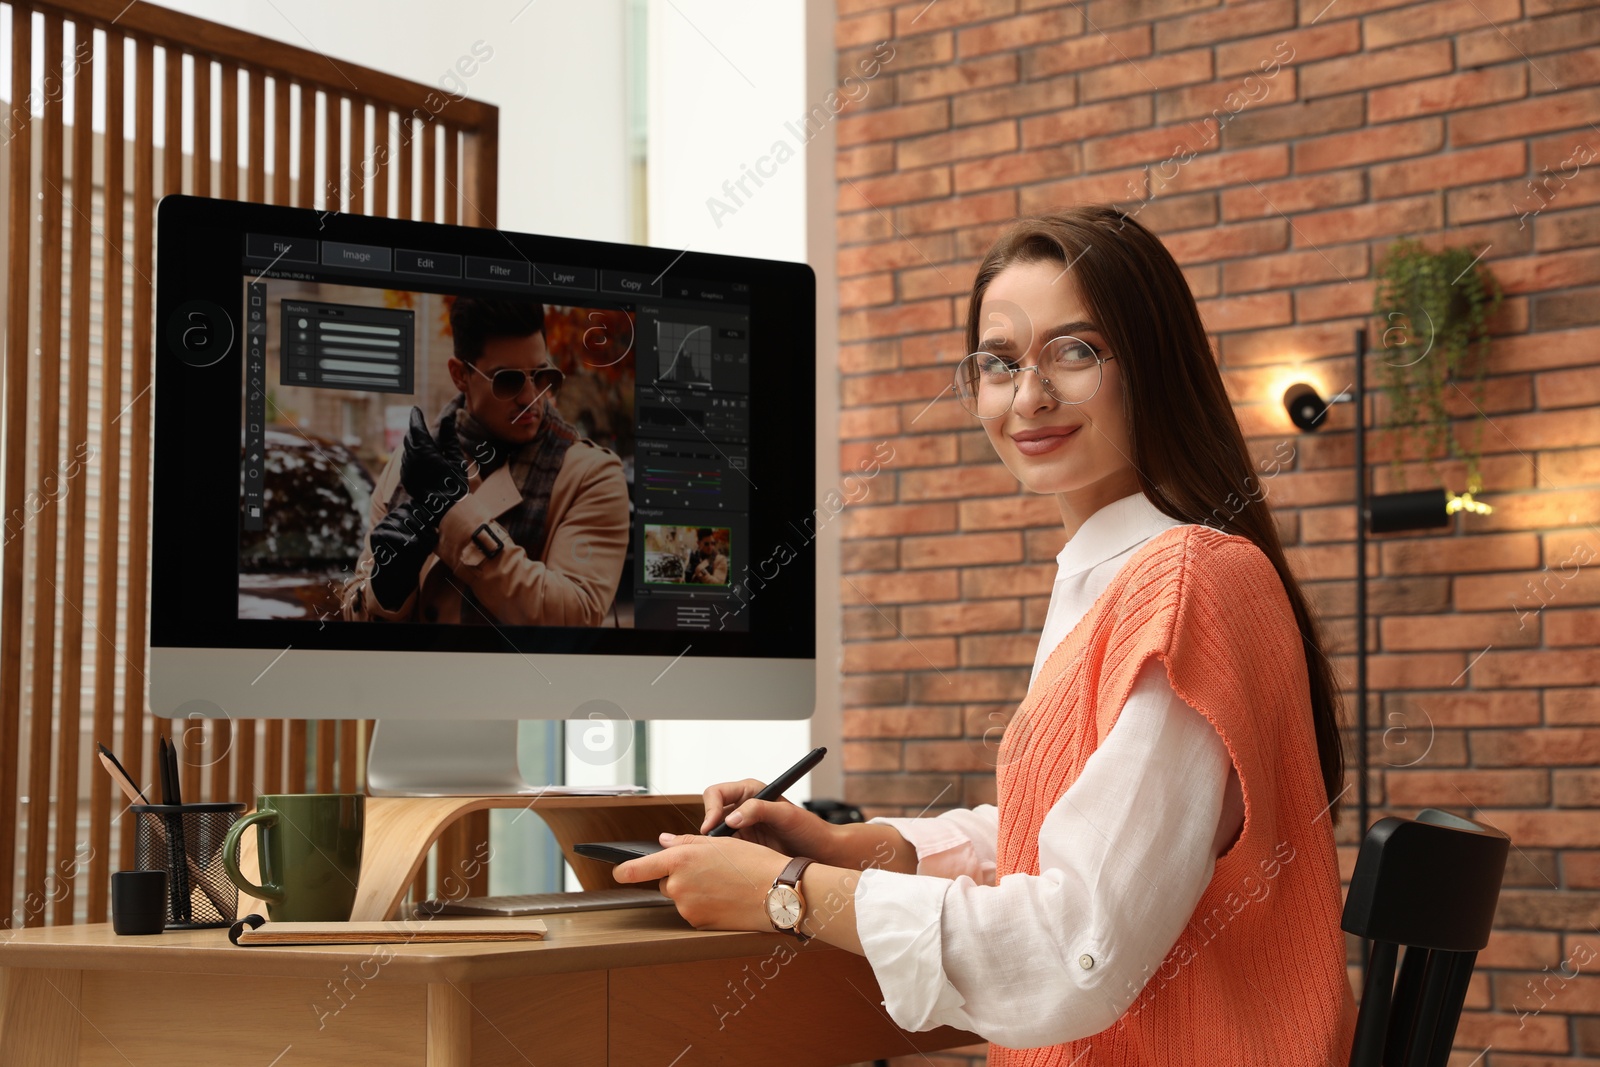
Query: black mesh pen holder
{"x":185,"y":840}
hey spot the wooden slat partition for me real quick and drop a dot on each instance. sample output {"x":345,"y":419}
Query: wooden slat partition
{"x":112,"y":258}
{"x":74,"y":579}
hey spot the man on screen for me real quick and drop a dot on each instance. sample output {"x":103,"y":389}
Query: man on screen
{"x":706,"y":565}
{"x":504,"y":514}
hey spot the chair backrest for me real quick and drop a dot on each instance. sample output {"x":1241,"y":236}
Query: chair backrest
{"x":1429,"y":884}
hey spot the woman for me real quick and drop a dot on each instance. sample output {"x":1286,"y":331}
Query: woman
{"x":1158,"y":883}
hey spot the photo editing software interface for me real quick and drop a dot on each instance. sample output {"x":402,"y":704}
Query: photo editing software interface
{"x":565,"y":383}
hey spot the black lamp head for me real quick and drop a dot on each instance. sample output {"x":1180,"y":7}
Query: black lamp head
{"x":1307,"y":410}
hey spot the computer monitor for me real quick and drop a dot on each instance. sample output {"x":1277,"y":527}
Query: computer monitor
{"x":449,"y":478}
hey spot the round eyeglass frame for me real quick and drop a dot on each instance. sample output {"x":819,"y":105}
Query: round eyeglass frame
{"x":962,"y":373}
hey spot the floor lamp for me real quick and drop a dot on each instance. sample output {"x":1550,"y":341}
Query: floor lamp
{"x":1387,"y":513}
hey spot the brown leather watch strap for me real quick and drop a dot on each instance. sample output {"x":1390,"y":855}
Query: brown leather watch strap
{"x":790,"y":876}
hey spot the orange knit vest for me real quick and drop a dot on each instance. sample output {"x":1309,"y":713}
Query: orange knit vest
{"x":1257,"y":978}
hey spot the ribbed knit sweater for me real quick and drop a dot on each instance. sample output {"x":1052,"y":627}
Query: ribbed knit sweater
{"x":1257,"y":978}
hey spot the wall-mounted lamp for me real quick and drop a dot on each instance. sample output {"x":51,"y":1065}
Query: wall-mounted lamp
{"x":1307,"y":410}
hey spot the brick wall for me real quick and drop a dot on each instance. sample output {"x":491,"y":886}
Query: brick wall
{"x":1277,"y":194}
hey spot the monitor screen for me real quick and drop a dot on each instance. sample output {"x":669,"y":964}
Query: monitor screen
{"x":378,"y":438}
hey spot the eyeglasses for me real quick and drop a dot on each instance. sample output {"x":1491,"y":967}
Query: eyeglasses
{"x":507,"y":383}
{"x":1070,"y":370}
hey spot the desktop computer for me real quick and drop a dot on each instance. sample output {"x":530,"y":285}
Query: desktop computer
{"x":450,"y":478}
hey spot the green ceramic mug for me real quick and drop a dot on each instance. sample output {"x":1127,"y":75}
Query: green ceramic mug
{"x":309,"y":849}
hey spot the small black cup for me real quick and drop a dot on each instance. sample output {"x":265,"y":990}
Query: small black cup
{"x":139,"y":902}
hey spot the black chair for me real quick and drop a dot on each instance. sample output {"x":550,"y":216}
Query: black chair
{"x":1430,"y":884}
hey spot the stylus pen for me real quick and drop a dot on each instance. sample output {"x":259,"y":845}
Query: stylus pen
{"x":777,"y":787}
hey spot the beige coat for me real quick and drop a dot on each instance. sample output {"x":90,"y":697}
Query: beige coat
{"x":570,"y":583}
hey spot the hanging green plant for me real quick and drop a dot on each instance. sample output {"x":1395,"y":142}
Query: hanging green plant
{"x":1435,"y":309}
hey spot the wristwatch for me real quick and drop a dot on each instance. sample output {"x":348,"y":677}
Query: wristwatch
{"x":786,"y":904}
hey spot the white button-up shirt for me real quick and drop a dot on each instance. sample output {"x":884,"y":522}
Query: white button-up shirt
{"x":1124,"y":856}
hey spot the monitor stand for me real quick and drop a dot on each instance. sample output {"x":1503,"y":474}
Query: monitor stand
{"x":445,"y":758}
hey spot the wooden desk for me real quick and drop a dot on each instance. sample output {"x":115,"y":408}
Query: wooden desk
{"x":638,"y":987}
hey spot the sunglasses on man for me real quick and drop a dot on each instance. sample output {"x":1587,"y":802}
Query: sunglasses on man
{"x":507,"y":383}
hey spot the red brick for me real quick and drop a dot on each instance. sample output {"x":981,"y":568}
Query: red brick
{"x":1089,"y":120}
{"x":891,"y":189}
{"x":1010,"y":684}
{"x":1538,"y":669}
{"x":1417,"y":788}
{"x":1020,"y":32}
{"x":1368,"y":221}
{"x":1448,"y":170}
{"x":1230,"y":242}
{"x":997,"y":650}
{"x":1454,"y":708}
{"x":1549,"y":270}
{"x":923,"y":17}
{"x":1223,"y":24}
{"x":1249,"y":312}
{"x":1557,"y":111}
{"x":1370,"y":69}
{"x":1528,"y":37}
{"x":1107,"y":13}
{"x":1293,"y":196}
{"x":866,"y":291}
{"x":893,"y":122}
{"x":895,"y":385}
{"x":873,"y":422}
{"x":871,"y":755}
{"x":1394,"y":141}
{"x":1294,"y":268}
{"x":1546,"y":747}
{"x":974,"y":617}
{"x":1025,"y":99}
{"x":1018,"y":168}
{"x":921,"y":282}
{"x":1159,"y":72}
{"x":983,"y":582}
{"x":1471,"y":632}
{"x":1288,"y":121}
{"x":1085,"y":52}
{"x":1222,"y":100}
{"x":1332,"y":38}
{"x":960,"y":550}
{"x":957,"y":211}
{"x":1438,"y":19}
{"x":1568,"y":229}
{"x":864,"y":259}
{"x":874,"y":26}
{"x":957,"y":77}
{"x":920,"y":450}
{"x":895,"y":519}
{"x":929,"y":721}
{"x":1539,"y":351}
{"x":1565,"y":470}
{"x":1415,"y":670}
{"x":1116,"y":185}
{"x":863,"y":160}
{"x":956,"y":483}
{"x":1341,"y":300}
{"x":1571,"y":628}
{"x":902,"y":587}
{"x":1453,"y":92}
{"x":898,"y":319}
{"x":899,"y":654}
{"x":1295,"y":344}
{"x":1217,"y":169}
{"x":1009,"y":512}
{"x":863,"y":227}
{"x":1172,"y":213}
{"x":966,"y":143}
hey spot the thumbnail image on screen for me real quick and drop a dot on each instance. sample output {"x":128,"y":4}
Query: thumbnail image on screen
{"x":686,"y":555}
{"x":420,"y":457}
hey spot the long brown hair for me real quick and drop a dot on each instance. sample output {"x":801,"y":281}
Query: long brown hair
{"x":1188,"y":451}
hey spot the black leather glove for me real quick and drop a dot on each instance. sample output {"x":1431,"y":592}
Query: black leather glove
{"x":433,"y":472}
{"x":401,"y":541}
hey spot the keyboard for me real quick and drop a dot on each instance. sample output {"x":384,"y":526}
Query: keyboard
{"x":546,"y":903}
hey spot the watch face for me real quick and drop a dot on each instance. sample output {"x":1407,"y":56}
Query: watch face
{"x":783,"y":907}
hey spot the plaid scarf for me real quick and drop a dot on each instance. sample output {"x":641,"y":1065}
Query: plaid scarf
{"x":534,"y":467}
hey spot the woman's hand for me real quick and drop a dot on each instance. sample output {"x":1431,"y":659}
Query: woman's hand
{"x":778,"y":824}
{"x":717,"y":883}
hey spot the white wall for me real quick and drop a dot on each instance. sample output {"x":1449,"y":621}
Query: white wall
{"x":556,"y":73}
{"x":727,"y":80}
